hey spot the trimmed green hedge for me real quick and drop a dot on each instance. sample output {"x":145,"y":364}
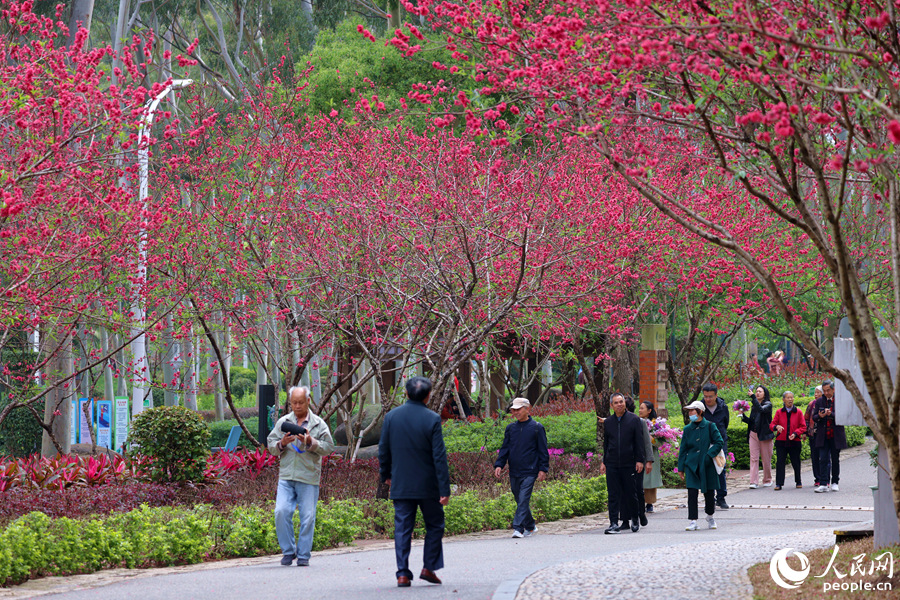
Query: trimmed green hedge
{"x":575,"y":433}
{"x":737,"y":443}
{"x":37,"y":545}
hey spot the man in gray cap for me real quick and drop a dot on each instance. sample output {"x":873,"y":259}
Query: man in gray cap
{"x":525,"y":449}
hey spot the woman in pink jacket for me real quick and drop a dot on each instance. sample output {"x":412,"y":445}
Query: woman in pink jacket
{"x":789,"y":427}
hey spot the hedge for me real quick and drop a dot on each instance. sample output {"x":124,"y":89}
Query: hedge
{"x":737,"y":443}
{"x":37,"y":545}
{"x":575,"y":433}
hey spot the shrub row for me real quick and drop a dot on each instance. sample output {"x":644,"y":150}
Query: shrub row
{"x":737,"y":444}
{"x":37,"y":545}
{"x":575,"y":432}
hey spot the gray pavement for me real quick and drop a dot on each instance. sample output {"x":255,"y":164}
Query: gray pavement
{"x":571,"y":560}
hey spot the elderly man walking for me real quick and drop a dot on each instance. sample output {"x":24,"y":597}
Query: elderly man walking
{"x":413,"y":462}
{"x":525,"y":449}
{"x":623,"y":457}
{"x":299,"y":474}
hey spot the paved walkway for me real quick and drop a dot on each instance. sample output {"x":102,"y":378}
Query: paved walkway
{"x":571,"y":559}
{"x":671,"y":571}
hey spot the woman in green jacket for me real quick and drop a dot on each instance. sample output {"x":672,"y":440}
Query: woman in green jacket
{"x":700,"y":443}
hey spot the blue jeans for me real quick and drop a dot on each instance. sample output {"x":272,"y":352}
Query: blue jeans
{"x":521,"y":490}
{"x":293,"y":495}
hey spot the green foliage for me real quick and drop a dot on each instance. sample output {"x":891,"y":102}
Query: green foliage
{"x":346,"y":65}
{"x":175,"y":439}
{"x":242,"y":373}
{"x":671,"y":479}
{"x":571,"y":498}
{"x":339,"y":521}
{"x":575,"y":433}
{"x":737,"y":443}
{"x":35,"y":544}
{"x":20,"y":432}
{"x":249,"y":531}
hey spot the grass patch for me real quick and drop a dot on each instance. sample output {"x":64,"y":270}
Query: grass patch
{"x":852,"y":558}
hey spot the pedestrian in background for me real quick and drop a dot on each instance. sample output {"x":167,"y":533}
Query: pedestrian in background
{"x":525,"y":449}
{"x":299,"y":474}
{"x":653,"y":474}
{"x":701,"y":442}
{"x":811,"y":433}
{"x":789,"y":427}
{"x":623,"y":455}
{"x":759,"y":435}
{"x":413,"y":462}
{"x":830,"y":440}
{"x":717,"y":413}
{"x":648,"y":465}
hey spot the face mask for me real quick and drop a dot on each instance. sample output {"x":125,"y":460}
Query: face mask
{"x":693,"y":418}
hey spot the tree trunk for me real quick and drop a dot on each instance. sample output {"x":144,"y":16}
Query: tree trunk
{"x":190,"y":372}
{"x":58,"y":405}
{"x":82,"y":11}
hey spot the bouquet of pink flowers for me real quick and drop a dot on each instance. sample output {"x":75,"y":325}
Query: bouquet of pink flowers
{"x":661,"y":431}
{"x":741,"y":406}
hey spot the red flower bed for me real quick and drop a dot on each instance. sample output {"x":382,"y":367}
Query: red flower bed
{"x":235,"y":478}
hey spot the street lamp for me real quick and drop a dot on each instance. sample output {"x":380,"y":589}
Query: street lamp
{"x":139,"y":345}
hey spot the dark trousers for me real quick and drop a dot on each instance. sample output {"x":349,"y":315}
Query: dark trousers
{"x":405,"y":522}
{"x":639,"y":493}
{"x":620,"y":490}
{"x":814,"y":456}
{"x":521,"y":490}
{"x":723,"y":487}
{"x":829,"y":463}
{"x":783,"y":450}
{"x":709,"y":498}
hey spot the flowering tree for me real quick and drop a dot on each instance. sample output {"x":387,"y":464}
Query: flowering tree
{"x":788,"y":106}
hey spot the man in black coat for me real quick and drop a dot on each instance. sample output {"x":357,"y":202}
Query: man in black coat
{"x":829,"y":441}
{"x":525,"y":448}
{"x":623,"y":457}
{"x":717,"y":412}
{"x":413,"y":462}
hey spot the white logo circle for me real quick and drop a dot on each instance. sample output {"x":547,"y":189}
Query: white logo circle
{"x":783,"y":575}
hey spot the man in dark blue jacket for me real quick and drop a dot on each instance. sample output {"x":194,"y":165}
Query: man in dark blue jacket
{"x":525,"y":449}
{"x":623,"y":458}
{"x":717,"y":412}
{"x":413,"y":463}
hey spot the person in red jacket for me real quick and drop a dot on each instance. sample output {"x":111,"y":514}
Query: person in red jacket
{"x":789,"y":427}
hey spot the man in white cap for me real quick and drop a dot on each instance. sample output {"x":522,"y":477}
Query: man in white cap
{"x":525,"y":449}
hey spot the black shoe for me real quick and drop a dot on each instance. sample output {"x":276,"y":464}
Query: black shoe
{"x":722,"y":504}
{"x":644,"y":520}
{"x":613,"y":528}
{"x":649,"y":508}
{"x":635,"y":526}
{"x":287,"y":560}
{"x":302,"y":563}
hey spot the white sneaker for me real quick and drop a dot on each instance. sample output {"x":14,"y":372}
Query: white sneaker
{"x":518,"y":534}
{"x":821,"y":488}
{"x":712,"y":522}
{"x":834,"y":487}
{"x":767,"y":484}
{"x":692,"y":526}
{"x":531,"y":532}
{"x":753,"y":486}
